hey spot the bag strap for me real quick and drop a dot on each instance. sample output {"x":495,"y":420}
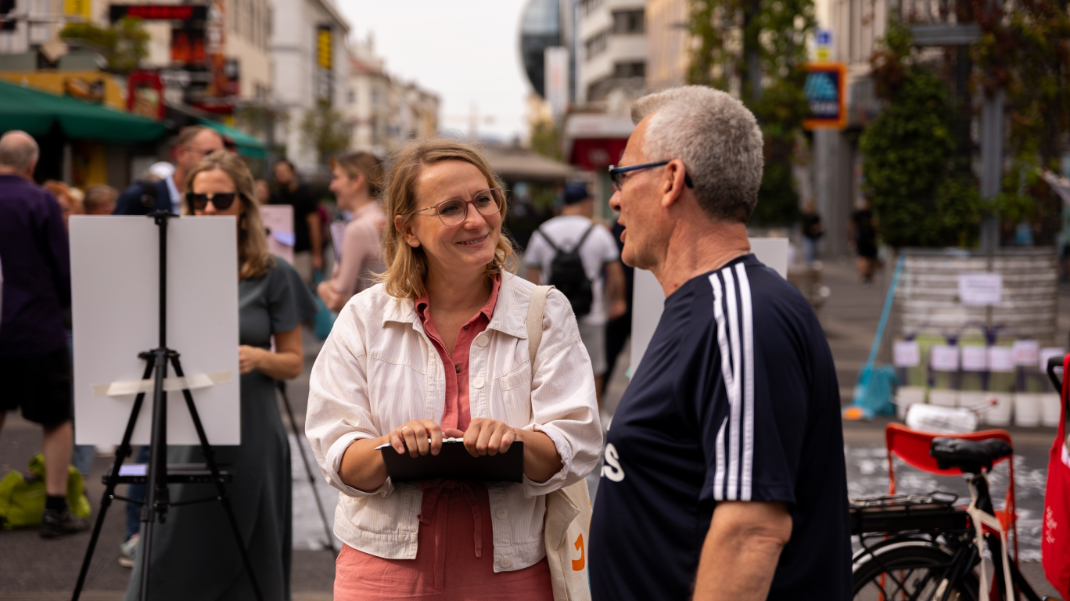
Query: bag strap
{"x":535,"y":312}
{"x":583,"y":238}
{"x":548,"y":240}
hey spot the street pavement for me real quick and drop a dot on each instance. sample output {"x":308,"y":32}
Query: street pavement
{"x":38,"y":569}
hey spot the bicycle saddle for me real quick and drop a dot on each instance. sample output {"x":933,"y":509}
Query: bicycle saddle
{"x":968,"y":455}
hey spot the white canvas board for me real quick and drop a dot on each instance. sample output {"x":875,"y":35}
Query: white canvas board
{"x":1026,"y":352}
{"x":648,"y":298}
{"x":279,"y":221}
{"x":906,"y":353}
{"x":944,"y":357}
{"x":974,"y":358}
{"x":980,"y":289}
{"x":115,"y":293}
{"x":1001,"y":359}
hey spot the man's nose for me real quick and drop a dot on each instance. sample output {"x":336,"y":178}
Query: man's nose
{"x":614,"y":201}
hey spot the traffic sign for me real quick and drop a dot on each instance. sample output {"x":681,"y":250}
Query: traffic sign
{"x":826,"y":93}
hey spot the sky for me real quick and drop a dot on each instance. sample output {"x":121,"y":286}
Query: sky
{"x":463,"y":50}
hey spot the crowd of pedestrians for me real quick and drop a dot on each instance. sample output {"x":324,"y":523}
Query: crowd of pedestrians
{"x":719,"y":478}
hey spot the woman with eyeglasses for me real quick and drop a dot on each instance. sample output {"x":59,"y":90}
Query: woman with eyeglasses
{"x":194,"y":554}
{"x":439,"y":349}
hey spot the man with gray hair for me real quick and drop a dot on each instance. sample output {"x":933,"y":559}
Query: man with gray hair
{"x":724,"y":472}
{"x":35,"y":366}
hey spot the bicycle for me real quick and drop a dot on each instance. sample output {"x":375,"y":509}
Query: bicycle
{"x":927,"y":548}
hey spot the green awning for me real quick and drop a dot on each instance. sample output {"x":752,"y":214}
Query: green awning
{"x":247,"y":145}
{"x":37,"y":113}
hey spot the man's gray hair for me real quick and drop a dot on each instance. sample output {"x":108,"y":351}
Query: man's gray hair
{"x":18,"y":150}
{"x":717,"y":139}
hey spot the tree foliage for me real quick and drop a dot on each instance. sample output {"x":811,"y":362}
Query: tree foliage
{"x":759,"y":47}
{"x":545,"y":139}
{"x":914,"y":179}
{"x":325,"y":131}
{"x":124,"y":44}
{"x":1024,"y":52}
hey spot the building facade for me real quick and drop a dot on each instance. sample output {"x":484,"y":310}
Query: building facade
{"x":667,"y":44}
{"x":612,"y":47}
{"x":310,"y":65}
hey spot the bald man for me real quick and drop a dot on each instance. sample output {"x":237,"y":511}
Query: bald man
{"x":35,"y":366}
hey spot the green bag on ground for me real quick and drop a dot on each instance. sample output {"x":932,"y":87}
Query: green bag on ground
{"x":22,"y":499}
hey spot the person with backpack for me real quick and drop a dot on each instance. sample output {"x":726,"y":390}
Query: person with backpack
{"x":580,"y":258}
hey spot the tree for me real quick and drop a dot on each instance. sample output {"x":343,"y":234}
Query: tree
{"x":759,"y":46}
{"x":123,"y":44}
{"x":914,"y":179}
{"x":545,"y":139}
{"x":324,"y":131}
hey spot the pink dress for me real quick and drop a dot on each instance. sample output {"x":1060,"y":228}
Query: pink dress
{"x":454,"y":558}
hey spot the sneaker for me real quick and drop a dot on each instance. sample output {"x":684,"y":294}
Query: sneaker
{"x":57,"y":523}
{"x":128,"y":550}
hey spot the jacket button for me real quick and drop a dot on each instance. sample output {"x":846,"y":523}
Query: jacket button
{"x":502,"y":513}
{"x":505,"y":562}
{"x":481,"y":340}
{"x":478,"y":382}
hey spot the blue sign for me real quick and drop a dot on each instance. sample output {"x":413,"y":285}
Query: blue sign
{"x":824,"y":37}
{"x":825,"y":90}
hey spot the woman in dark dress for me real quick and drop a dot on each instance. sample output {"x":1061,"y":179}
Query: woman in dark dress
{"x":194,"y":554}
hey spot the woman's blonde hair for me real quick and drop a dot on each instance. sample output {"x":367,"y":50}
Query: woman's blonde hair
{"x":406,"y":267}
{"x":254,"y":258}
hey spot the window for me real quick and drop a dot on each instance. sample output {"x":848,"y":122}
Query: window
{"x":589,"y":6}
{"x":628,"y":21}
{"x":351,"y":96}
{"x":597,"y":44}
{"x":626,"y":70}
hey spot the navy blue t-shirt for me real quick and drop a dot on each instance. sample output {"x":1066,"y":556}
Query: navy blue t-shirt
{"x":735,"y":399}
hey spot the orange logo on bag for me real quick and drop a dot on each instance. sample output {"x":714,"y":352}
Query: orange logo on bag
{"x":577,"y":564}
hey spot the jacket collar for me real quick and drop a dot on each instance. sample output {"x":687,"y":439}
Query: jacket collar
{"x":508,"y":317}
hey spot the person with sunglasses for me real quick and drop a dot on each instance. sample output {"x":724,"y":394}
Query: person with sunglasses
{"x":439,"y":349}
{"x":725,"y":476}
{"x":193,"y":555}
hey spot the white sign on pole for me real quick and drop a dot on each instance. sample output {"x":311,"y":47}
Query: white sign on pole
{"x":906,"y":353}
{"x":944,"y":357}
{"x":115,"y":294}
{"x":980,"y":289}
{"x":1001,"y":359}
{"x":555,"y":60}
{"x":974,"y":358}
{"x":279,"y":222}
{"x":648,"y":298}
{"x":1026,"y":352}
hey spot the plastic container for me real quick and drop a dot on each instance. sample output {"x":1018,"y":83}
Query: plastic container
{"x":905,"y":396}
{"x":1000,"y":413}
{"x":1027,"y":409}
{"x":942,"y":397}
{"x":941,"y":420}
{"x":1050,"y":409}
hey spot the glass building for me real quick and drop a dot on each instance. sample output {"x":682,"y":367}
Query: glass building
{"x":540,"y":28}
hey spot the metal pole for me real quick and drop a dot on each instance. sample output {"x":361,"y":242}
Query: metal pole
{"x":991,"y":168}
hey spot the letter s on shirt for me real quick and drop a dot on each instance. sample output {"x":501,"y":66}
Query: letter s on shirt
{"x":612,"y":469}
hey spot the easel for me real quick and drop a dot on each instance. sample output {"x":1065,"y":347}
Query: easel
{"x":158,"y":476}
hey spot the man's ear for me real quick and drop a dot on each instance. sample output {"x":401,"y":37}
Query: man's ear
{"x":402,"y":226}
{"x":672,"y":183}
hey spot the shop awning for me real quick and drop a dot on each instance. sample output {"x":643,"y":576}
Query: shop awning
{"x":246,"y":145}
{"x":37,"y":113}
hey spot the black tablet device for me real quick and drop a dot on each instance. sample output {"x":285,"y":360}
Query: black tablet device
{"x":454,"y":463}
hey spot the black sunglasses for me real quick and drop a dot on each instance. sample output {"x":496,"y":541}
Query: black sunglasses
{"x":221,"y":200}
{"x":616,"y":174}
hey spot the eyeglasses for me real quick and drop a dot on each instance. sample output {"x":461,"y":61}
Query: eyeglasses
{"x":616,"y":174}
{"x":454,"y":211}
{"x":221,"y":201}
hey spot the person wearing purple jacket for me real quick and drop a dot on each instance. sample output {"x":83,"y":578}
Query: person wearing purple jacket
{"x":34,"y":362}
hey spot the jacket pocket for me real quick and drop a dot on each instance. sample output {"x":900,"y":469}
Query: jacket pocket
{"x":515,"y":390}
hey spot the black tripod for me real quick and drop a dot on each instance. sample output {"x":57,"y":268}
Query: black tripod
{"x":158,"y":475}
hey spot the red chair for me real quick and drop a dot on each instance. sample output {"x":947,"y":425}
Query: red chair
{"x":912,"y":447}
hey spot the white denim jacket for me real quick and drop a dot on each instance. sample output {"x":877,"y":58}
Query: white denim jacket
{"x":378,"y":370}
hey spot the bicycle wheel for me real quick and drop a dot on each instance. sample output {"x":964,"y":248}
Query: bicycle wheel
{"x":912,"y":572}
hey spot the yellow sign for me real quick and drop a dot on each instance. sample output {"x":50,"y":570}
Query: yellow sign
{"x":323,"y":48}
{"x":81,"y":8}
{"x":824,"y":54}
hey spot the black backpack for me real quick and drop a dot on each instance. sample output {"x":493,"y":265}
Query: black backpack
{"x":568,"y":275}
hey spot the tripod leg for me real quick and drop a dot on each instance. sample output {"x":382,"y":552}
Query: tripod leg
{"x":157,"y":498}
{"x":308,"y":468}
{"x":105,"y":502}
{"x":224,"y":499}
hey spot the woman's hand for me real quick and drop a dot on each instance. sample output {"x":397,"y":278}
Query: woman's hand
{"x":420,"y":436}
{"x":485,"y":437}
{"x":249,"y":358}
